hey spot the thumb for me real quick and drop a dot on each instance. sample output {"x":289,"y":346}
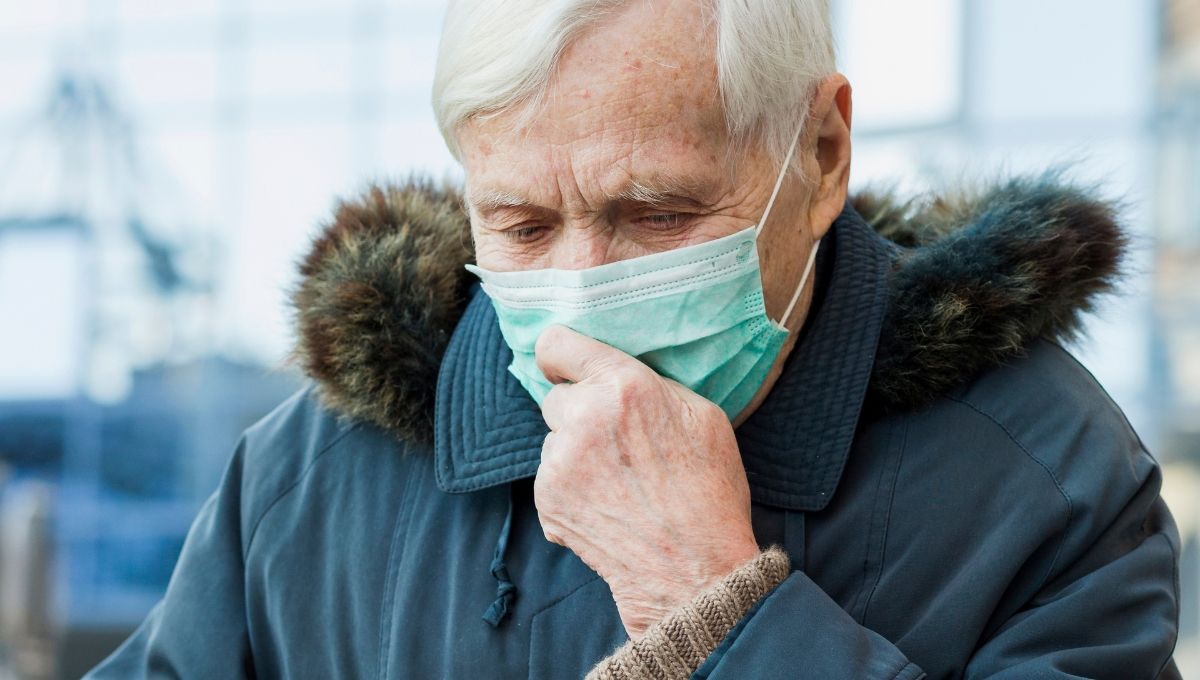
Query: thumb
{"x":564,"y":355}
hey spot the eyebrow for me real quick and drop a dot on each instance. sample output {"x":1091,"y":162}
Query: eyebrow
{"x":490,"y":200}
{"x":656,"y":190}
{"x":663,"y":190}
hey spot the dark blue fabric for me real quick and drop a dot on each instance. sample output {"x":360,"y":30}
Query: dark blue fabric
{"x":1011,"y":529}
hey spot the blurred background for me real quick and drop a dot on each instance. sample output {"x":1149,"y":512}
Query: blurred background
{"x":163,"y":165}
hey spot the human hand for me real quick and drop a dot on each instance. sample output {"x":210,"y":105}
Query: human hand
{"x":640,"y":477}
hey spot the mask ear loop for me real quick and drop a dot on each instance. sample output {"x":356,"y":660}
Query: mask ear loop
{"x":787,"y":162}
{"x":812,"y":256}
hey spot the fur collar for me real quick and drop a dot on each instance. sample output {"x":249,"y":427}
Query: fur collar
{"x":980,"y":275}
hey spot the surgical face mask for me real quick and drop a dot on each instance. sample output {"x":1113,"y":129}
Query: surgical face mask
{"x":693,"y":314}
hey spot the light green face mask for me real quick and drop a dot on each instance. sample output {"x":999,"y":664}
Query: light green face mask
{"x":693,"y":314}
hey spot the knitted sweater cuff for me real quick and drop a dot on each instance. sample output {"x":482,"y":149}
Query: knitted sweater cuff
{"x":674,"y":648}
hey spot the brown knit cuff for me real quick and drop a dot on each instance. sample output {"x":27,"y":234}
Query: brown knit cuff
{"x":676,"y":646}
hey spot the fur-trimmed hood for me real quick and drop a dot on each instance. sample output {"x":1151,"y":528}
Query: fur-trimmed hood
{"x":980,"y":275}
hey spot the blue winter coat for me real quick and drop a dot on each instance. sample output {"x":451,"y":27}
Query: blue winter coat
{"x":958,"y":496}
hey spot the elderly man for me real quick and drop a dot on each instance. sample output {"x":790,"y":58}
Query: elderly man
{"x":694,"y":412}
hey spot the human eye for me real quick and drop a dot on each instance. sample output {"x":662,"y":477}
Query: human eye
{"x":525,"y":234}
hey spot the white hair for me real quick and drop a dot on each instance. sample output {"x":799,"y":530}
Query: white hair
{"x":498,"y":54}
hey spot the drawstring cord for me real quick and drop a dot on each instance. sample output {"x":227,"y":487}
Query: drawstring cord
{"x":506,"y":590}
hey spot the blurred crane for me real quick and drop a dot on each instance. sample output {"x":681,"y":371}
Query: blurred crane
{"x":78,"y":168}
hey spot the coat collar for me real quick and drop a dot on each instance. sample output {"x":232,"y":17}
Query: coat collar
{"x":488,"y":431}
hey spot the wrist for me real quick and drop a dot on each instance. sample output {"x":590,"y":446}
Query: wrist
{"x":679,"y":643}
{"x":716,"y":568}
{"x":680,"y":581}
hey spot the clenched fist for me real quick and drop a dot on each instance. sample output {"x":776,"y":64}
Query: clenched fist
{"x":640,"y":477}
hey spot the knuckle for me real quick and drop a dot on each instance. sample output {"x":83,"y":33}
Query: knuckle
{"x":558,"y":401}
{"x":553,"y":396}
{"x":548,"y":451}
{"x":548,"y":486}
{"x":549,"y":337}
{"x":629,"y":388}
{"x":710,"y":413}
{"x":556,"y":449}
{"x":594,"y":364}
{"x":550,"y":527}
{"x":585,"y":439}
{"x":545,"y":480}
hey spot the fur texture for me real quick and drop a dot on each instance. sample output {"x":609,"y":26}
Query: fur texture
{"x":980,"y":275}
{"x":380,"y":293}
{"x":983,"y":274}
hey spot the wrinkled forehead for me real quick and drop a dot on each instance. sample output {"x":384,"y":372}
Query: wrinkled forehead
{"x":641,"y":81}
{"x":660,"y":54}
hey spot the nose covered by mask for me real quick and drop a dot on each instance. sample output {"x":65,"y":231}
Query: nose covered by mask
{"x":693,"y":314}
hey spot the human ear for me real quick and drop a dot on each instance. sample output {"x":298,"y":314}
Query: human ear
{"x":830,"y":116}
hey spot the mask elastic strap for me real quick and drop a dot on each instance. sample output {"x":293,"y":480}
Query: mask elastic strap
{"x":787,"y":162}
{"x":812,"y":258}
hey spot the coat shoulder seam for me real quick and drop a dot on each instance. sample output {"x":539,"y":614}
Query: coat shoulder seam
{"x":1175,"y":586}
{"x":1042,"y":464}
{"x":887,"y":524}
{"x":396,"y":553}
{"x":292,"y":487}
